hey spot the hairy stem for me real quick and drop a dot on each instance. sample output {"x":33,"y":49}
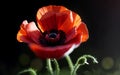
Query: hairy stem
{"x":70,"y":63}
{"x":49,"y":66}
{"x":57,"y":69}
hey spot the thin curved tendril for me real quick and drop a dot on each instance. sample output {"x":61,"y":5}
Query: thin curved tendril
{"x":32,"y":71}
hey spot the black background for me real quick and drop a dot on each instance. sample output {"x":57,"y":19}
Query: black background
{"x":102,"y":18}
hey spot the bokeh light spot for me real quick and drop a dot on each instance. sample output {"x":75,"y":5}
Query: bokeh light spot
{"x":107,"y":63}
{"x":116,"y":73}
{"x":64,"y":71}
{"x":36,"y":64}
{"x":24,"y":59}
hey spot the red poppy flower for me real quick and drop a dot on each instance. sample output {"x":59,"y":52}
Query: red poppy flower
{"x":57,"y":33}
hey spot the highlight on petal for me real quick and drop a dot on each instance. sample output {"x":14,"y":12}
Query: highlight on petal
{"x":22,"y":31}
{"x":71,"y":49}
{"x":33,"y":32}
{"x":82,"y":29}
{"x":51,"y":52}
{"x":76,"y":42}
{"x":28,"y":32}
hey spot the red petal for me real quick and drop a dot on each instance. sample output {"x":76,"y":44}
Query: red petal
{"x":76,"y":41}
{"x":56,"y":51}
{"x":22,"y":35}
{"x":46,"y":17}
{"x":51,"y":8}
{"x":33,"y":32}
{"x":57,"y":17}
{"x":28,"y":32}
{"x":48,"y":22}
{"x":72,"y":20}
{"x":82,"y":29}
{"x":51,"y":52}
{"x":71,"y":34}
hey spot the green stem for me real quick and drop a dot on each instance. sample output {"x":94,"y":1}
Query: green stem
{"x":70,"y":63}
{"x":75,"y":69}
{"x":57,"y":72}
{"x":30,"y":70}
{"x":82,"y":61}
{"x":49,"y":66}
{"x":78,"y":64}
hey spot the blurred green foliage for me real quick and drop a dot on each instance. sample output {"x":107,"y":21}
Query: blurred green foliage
{"x":107,"y":66}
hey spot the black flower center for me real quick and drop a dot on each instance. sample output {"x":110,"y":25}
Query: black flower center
{"x":52,"y":35}
{"x":53,"y":38}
